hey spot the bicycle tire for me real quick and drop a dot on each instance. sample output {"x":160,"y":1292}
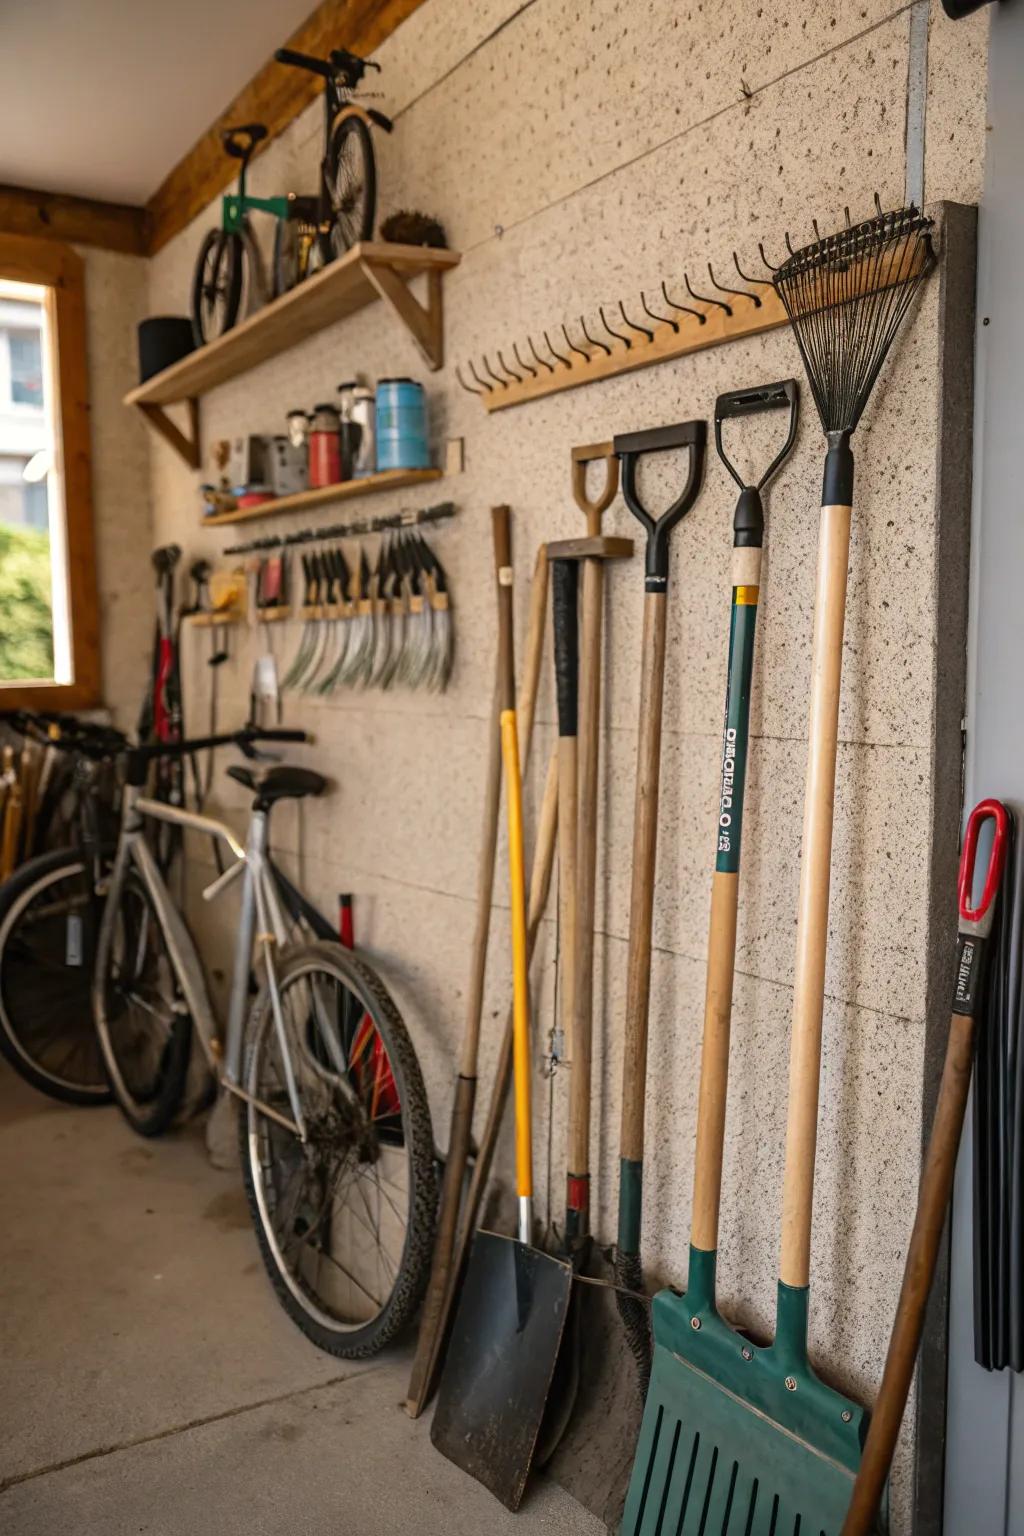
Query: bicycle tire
{"x":341,"y":1337}
{"x":353,"y":210}
{"x":46,"y":971}
{"x":147,"y":1074}
{"x":220,"y":248}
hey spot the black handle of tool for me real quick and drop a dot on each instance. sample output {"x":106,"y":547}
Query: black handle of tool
{"x":564,"y":611}
{"x":748,"y":523}
{"x":629,"y":448}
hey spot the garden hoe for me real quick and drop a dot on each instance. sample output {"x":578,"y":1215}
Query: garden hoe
{"x":737,"y":1437}
{"x":515,"y":1298}
{"x":939,"y":1166}
{"x":630,"y":448}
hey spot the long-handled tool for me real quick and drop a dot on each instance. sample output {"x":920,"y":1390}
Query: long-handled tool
{"x":630,"y":448}
{"x":728,"y":1426}
{"x":939,"y":1166}
{"x":748,"y":539}
{"x":514,"y":1301}
{"x":432,"y":1322}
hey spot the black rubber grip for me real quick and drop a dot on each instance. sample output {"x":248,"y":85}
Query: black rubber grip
{"x":564,"y":609}
{"x":760,"y":397}
{"x":681,"y":434}
{"x":837,"y":486}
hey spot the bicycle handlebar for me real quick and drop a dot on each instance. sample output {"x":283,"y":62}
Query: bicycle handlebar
{"x":304,"y":61}
{"x":247,"y":737}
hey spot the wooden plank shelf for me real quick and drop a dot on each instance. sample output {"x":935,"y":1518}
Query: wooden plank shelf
{"x":346,"y":490}
{"x":370,"y":271}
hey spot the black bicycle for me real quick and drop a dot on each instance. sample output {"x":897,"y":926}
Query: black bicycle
{"x":310,"y":230}
{"x":50,"y":912}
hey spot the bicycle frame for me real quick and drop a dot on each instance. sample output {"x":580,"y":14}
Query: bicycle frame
{"x":262,"y":920}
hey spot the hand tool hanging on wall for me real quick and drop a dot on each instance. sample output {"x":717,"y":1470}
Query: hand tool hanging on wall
{"x":433,"y":1322}
{"x":629,"y":449}
{"x":745,"y":579}
{"x":939,"y":1164}
{"x":729,"y":1424}
{"x":515,"y":1297}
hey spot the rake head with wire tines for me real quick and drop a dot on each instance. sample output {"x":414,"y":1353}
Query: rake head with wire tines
{"x":846,"y":297}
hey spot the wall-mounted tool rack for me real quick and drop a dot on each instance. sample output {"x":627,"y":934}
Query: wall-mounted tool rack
{"x":370,"y":271}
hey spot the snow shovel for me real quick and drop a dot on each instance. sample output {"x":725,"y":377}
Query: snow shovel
{"x":939,"y":1166}
{"x":629,"y":450}
{"x":736,"y":1437}
{"x":508,"y":1328}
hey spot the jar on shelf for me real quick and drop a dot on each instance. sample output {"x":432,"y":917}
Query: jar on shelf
{"x":348,"y":431}
{"x":324,"y":447}
{"x":364,"y":418}
{"x":401,"y":425}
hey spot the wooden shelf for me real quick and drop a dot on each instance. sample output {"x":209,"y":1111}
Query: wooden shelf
{"x":370,"y":271}
{"x":347,"y":490}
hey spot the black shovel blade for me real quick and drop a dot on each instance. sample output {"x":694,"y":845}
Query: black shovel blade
{"x":497,"y":1374}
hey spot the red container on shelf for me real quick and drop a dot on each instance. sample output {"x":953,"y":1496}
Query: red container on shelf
{"x":324,"y":448}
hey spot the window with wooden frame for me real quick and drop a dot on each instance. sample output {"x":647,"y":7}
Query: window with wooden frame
{"x":49,"y":620}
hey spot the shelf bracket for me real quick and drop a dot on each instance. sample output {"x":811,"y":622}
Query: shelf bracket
{"x":425,"y":324}
{"x":158,"y":418}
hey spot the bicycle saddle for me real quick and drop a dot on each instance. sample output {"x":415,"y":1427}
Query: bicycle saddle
{"x":231,"y":138}
{"x":281,"y":782}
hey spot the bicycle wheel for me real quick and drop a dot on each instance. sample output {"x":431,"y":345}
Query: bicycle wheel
{"x":345,"y":1221}
{"x":351,"y":181}
{"x":49,"y":921}
{"x":142,"y":1022}
{"x":217,"y":284}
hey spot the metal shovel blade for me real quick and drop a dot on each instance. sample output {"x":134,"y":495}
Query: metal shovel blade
{"x":739,"y":1440}
{"x":505,"y":1341}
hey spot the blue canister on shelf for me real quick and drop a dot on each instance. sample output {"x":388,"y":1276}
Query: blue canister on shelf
{"x":401,"y":425}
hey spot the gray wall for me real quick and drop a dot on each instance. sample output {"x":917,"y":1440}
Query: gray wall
{"x":985,"y":1444}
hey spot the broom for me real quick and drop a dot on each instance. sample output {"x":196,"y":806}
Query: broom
{"x":736,"y":1437}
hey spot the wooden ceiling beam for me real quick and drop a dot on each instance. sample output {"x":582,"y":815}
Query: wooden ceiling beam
{"x":74,"y":220}
{"x":274,"y":96}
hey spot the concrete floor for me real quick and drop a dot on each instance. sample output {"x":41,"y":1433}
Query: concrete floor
{"x":150,"y":1383}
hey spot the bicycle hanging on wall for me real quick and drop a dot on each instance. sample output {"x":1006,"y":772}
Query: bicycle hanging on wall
{"x":310,"y":230}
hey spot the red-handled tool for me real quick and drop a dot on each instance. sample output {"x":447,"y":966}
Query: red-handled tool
{"x":939,"y":1165}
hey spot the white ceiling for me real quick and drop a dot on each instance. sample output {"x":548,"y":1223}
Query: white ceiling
{"x":103,"y":97}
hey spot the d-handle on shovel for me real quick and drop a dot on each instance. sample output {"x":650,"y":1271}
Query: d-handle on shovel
{"x":630,"y":448}
{"x":939,"y":1167}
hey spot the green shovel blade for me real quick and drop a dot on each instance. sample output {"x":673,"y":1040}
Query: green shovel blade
{"x":738,"y":1440}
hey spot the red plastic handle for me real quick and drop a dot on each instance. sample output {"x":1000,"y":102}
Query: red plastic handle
{"x":984,"y":811}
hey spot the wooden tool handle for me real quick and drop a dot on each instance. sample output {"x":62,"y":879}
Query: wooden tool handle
{"x":812,"y":908}
{"x":593,"y":510}
{"x":586,"y":862}
{"x":641,"y":901}
{"x":484,"y":894}
{"x":933,"y":1203}
{"x":714,"y":1063}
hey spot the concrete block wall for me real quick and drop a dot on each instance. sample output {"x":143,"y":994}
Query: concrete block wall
{"x":576,"y":156}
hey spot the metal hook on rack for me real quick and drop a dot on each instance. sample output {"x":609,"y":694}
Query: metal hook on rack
{"x":502,"y":383}
{"x":789,"y":244}
{"x":488,"y":389}
{"x":572,"y":345}
{"x":661,"y":319}
{"x":594,"y":342}
{"x":542,"y":360}
{"x":703,"y":298}
{"x":641,"y":328}
{"x":737,"y":293}
{"x":772,"y":267}
{"x":745,"y":276}
{"x":527,"y":367}
{"x":624,"y":339}
{"x":467,"y":387}
{"x":564,"y":360}
{"x":510,"y":371}
{"x":684,"y":309}
{"x":878,"y":206}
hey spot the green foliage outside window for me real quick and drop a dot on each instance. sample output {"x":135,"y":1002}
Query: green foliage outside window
{"x":26,"y":620}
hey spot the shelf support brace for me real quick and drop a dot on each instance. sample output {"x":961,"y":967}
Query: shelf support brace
{"x":187,"y":447}
{"x":424,"y":324}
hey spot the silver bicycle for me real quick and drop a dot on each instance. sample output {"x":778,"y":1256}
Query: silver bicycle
{"x":335,"y":1136}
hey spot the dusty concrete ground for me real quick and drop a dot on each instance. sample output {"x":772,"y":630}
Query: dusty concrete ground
{"x":150,"y":1383}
